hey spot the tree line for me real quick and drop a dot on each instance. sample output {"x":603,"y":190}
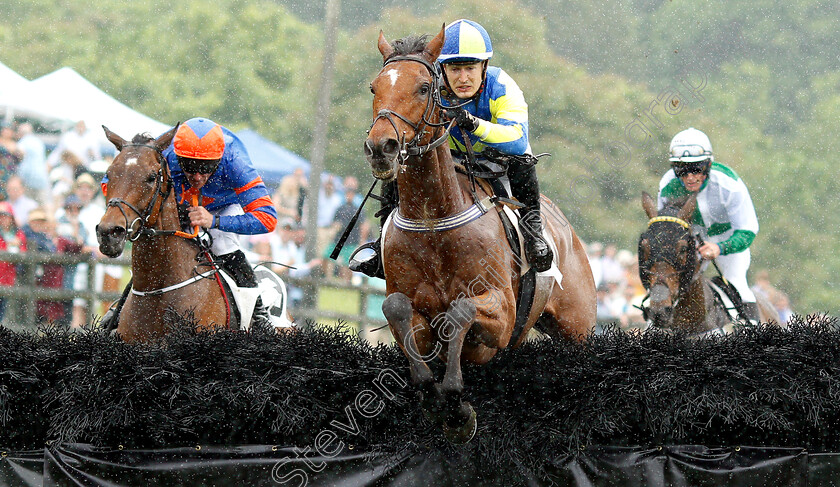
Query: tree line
{"x":608,"y":85}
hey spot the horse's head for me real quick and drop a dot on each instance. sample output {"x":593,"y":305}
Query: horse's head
{"x":406,"y":102}
{"x":667,"y":256}
{"x":138,"y":182}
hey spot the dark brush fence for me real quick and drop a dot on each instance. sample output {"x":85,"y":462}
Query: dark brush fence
{"x":323,"y":390}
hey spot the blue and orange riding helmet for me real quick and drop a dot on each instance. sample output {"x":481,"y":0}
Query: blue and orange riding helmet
{"x":199,"y":144}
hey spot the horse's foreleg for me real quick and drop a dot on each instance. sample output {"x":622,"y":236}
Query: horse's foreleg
{"x":459,"y":317}
{"x":400,"y":315}
{"x":408,"y":328}
{"x":460,"y":424}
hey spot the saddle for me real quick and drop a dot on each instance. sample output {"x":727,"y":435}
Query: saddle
{"x":272,"y":290}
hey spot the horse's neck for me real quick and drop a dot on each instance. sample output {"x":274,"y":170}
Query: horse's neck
{"x":429,"y":186}
{"x":696,"y":309}
{"x":163,"y":260}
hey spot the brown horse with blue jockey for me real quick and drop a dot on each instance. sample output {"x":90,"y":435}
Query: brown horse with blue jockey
{"x":166,"y":264}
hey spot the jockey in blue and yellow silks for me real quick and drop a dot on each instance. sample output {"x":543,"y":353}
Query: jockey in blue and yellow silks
{"x":486,"y":103}
{"x":209,"y":162}
{"x":501,"y":113}
{"x":491,"y":108}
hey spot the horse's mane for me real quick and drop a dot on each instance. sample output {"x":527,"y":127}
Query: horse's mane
{"x":414,"y":44}
{"x":142,"y":138}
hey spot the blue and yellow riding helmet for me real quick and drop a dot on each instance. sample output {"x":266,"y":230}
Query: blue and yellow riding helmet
{"x":466,"y":42}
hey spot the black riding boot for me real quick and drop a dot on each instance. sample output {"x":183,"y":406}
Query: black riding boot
{"x":372,"y":266}
{"x":242,"y":273}
{"x":526,"y":188}
{"x":750,"y":312}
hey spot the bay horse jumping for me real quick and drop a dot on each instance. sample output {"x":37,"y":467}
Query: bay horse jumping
{"x":681,"y":297}
{"x":141,"y":207}
{"x":452,"y":286}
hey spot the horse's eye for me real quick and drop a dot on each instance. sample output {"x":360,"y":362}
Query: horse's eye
{"x":371,"y":89}
{"x":424,"y":89}
{"x":151,"y":178}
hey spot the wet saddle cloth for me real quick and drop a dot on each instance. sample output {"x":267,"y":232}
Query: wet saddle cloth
{"x":272,"y":290}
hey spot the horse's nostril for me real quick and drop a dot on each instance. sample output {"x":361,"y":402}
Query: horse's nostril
{"x":391,"y":147}
{"x":111,"y":232}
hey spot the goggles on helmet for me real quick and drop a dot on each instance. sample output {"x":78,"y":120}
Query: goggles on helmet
{"x":689,"y":153}
{"x":198,"y":166}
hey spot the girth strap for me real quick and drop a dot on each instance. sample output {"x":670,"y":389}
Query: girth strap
{"x":157,"y":292}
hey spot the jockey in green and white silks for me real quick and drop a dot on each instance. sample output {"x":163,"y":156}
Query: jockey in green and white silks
{"x":725,"y":216}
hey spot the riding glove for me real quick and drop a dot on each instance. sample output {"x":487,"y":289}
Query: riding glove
{"x":463,"y":118}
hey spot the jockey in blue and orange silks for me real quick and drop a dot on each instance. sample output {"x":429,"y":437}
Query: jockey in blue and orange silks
{"x":209,"y":162}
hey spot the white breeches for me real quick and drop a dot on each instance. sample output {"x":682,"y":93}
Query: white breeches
{"x":225,"y":242}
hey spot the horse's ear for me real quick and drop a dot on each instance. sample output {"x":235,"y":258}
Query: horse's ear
{"x":115,"y":139}
{"x":644,"y":251}
{"x":648,"y":204}
{"x":434,"y":46}
{"x":385,"y":47}
{"x":164,"y":140}
{"x":688,"y":208}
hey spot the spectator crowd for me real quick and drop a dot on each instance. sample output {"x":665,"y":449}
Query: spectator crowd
{"x":52,"y":203}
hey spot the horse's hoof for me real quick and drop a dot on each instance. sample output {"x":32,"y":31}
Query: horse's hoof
{"x":461,"y":435}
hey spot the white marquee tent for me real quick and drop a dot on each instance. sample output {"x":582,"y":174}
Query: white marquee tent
{"x":71,"y":93}
{"x":18,"y":98}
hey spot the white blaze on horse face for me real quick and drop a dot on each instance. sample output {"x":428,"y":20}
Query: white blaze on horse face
{"x":393,"y":74}
{"x":131,"y":161}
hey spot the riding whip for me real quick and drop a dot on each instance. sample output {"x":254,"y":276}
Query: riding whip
{"x":352,"y":223}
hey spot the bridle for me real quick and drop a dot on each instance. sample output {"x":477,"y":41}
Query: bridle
{"x":414,"y":147}
{"x":143,"y":223}
{"x":687,"y":272}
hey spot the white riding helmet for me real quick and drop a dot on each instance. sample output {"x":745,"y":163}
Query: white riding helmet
{"x":690,"y":145}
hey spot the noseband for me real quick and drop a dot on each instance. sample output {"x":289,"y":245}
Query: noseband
{"x":413,"y":147}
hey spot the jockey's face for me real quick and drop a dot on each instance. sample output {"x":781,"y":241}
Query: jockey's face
{"x":197,"y":180}
{"x":464,"y":79}
{"x":198,"y":171}
{"x":693,"y":181}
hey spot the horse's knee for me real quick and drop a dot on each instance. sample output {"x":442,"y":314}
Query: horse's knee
{"x":462,"y":310}
{"x":397,"y":308}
